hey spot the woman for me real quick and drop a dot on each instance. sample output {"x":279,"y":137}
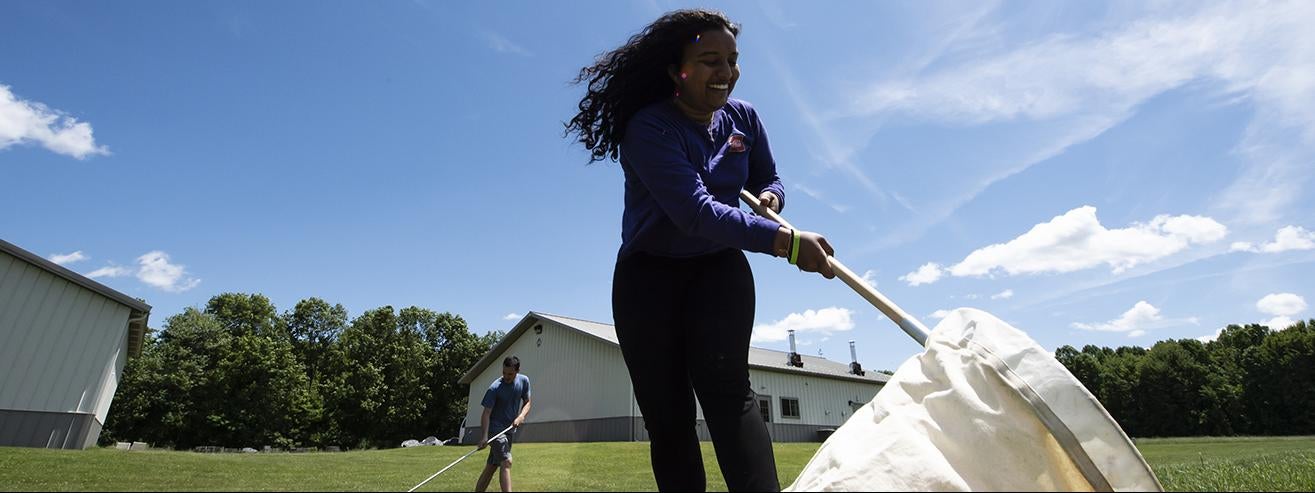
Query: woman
{"x":682,"y":291}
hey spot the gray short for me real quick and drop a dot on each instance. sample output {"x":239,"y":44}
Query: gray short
{"x":500,"y":449}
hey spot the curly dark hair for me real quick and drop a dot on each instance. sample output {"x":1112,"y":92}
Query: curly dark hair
{"x":635,"y":75}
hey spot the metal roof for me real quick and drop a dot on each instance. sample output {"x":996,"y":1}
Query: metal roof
{"x":763,"y":359}
{"x":140,"y":310}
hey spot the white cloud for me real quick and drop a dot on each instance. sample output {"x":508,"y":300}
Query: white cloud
{"x":824,"y":321}
{"x":1287,"y":238}
{"x":1136,"y":321}
{"x":1058,"y":76}
{"x":1081,"y":85}
{"x":68,"y":258}
{"x":158,"y":272}
{"x":110,"y":271}
{"x":1077,"y":241}
{"x":1278,"y":323}
{"x":1003,"y":295}
{"x":929,"y":272}
{"x":1211,"y":337}
{"x":870,"y":278}
{"x":821,"y":198}
{"x":939,"y":314}
{"x":1290,"y":238}
{"x":1194,"y":229}
{"x":511,"y":316}
{"x":1140,"y":314}
{"x":833,"y":152}
{"x":501,"y":44}
{"x":30,"y":121}
{"x":777,"y":16}
{"x":1281,"y":304}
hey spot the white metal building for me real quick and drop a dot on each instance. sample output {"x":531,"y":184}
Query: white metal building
{"x":64,"y":340}
{"x":582,"y":391}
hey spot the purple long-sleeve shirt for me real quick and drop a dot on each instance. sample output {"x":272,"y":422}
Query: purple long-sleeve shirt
{"x":683,"y":182}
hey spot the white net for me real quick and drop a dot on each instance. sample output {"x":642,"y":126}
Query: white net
{"x":983,"y":408}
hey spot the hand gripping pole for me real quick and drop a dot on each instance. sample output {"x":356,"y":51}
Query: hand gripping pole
{"x":911,"y":325}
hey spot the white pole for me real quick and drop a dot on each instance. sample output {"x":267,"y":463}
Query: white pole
{"x":911,"y":325}
{"x":449,"y":466}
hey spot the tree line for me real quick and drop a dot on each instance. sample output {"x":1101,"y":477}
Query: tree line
{"x":239,"y":374}
{"x":1251,"y":380}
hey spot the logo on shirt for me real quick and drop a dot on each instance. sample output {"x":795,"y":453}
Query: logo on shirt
{"x":736,"y":143}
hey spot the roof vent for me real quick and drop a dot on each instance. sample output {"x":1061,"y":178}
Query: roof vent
{"x":854,"y":367}
{"x":794,"y":359}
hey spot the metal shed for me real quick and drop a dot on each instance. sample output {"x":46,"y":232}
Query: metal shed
{"x":64,"y":340}
{"x":582,"y":391}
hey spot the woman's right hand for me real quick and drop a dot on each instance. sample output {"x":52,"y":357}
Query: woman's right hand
{"x":813,"y":252}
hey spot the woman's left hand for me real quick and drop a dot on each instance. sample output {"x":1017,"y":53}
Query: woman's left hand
{"x":770,"y":200}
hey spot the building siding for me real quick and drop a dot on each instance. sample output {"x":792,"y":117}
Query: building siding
{"x":582,"y":393}
{"x":573,"y":377}
{"x":62,"y":348}
{"x":823,"y":402}
{"x":48,"y":430}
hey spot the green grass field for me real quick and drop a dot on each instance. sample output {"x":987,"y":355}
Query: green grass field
{"x":1232,"y":464}
{"x":1203,"y":464}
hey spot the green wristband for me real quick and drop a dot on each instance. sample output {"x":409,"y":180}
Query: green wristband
{"x":794,"y":248}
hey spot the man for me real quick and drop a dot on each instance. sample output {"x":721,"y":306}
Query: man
{"x":503,"y":408}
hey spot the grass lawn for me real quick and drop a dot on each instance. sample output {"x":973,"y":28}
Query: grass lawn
{"x":1232,"y":464}
{"x":1207,"y":464}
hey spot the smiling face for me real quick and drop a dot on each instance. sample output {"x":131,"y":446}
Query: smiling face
{"x":707,"y":73}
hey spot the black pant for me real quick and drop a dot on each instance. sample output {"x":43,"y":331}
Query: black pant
{"x":684,"y":326}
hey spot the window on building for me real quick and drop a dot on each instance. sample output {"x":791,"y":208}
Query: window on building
{"x":765,"y":408}
{"x":790,"y":407}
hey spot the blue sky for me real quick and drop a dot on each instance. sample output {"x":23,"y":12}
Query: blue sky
{"x":1094,"y":173}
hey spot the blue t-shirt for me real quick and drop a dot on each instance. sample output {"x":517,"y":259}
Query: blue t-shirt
{"x":505,"y":399}
{"x":683,"y":181}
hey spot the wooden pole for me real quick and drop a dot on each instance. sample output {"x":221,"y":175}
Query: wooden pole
{"x":910,"y":325}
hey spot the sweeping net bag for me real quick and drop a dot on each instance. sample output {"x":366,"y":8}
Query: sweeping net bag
{"x":982,"y":408}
